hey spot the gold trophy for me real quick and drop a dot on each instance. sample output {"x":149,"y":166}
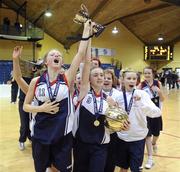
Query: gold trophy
{"x":83,"y":15}
{"x":115,"y":118}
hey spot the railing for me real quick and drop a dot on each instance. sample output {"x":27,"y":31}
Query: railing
{"x":32,"y":33}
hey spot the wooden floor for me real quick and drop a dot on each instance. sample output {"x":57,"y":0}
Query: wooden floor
{"x":14,"y":160}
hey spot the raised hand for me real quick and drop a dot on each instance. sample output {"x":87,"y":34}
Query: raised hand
{"x":111,"y":102}
{"x":17,"y":52}
{"x":136,"y":98}
{"x":50,"y":107}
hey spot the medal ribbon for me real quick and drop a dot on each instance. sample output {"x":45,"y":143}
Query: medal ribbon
{"x":128,"y":107}
{"x":96,"y":110}
{"x":153,"y":93}
{"x":51,"y":95}
{"x":111,"y":91}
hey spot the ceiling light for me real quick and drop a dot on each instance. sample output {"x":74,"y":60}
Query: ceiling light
{"x":48,"y":13}
{"x":115,"y":30}
{"x":160,"y":38}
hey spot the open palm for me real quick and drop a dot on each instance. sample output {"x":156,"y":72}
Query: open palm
{"x":17,"y":52}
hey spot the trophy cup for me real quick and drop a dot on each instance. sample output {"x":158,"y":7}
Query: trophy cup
{"x":115,"y":117}
{"x":83,"y":15}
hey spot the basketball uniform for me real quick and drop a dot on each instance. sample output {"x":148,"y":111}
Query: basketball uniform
{"x":90,"y":149}
{"x":52,"y":137}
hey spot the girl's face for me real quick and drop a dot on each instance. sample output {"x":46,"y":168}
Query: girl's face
{"x":97,"y":78}
{"x":108,"y":81}
{"x":94,"y":63}
{"x":54,"y":59}
{"x":78,"y":81}
{"x":129,"y":80}
{"x":148,"y":74}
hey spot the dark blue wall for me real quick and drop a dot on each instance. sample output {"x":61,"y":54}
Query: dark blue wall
{"x":5,"y":71}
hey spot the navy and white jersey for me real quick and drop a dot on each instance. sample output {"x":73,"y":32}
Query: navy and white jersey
{"x":49,"y":128}
{"x":137,"y":116}
{"x":147,"y":88}
{"x":84,"y":128}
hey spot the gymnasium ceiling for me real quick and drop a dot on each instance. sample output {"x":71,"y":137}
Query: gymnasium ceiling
{"x":146,"y":19}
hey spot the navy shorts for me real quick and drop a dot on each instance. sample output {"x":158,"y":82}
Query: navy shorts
{"x":59,"y":154}
{"x":89,"y":157}
{"x":130,"y":154}
{"x":154,"y":125}
{"x":111,"y":156}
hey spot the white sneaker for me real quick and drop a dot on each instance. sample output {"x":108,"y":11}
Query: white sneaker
{"x":21,"y":146}
{"x":149,"y":164}
{"x":154,"y":148}
{"x":141,"y":168}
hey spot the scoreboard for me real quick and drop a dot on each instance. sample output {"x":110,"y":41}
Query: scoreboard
{"x":158,"y":53}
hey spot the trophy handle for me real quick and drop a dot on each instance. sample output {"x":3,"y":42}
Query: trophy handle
{"x":83,"y":7}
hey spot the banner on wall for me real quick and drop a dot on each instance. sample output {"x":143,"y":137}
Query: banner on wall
{"x":102,"y":52}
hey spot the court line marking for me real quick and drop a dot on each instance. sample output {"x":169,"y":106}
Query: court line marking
{"x":165,"y":156}
{"x":178,"y":137}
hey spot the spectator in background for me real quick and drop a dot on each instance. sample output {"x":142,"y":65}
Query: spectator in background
{"x":17,"y":27}
{"x":169,"y":79}
{"x":6,"y":24}
{"x":175,"y":80}
{"x":14,"y":89}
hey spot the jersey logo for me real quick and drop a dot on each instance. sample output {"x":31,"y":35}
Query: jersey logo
{"x":89,"y":100}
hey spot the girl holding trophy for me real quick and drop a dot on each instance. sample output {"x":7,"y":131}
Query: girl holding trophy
{"x":91,"y":136}
{"x":138,"y":105}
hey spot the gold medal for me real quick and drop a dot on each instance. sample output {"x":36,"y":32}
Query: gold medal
{"x":96,"y":123}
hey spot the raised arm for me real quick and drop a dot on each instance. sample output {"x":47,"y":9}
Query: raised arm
{"x":85,"y":73}
{"x":71,"y":72}
{"x":17,"y":70}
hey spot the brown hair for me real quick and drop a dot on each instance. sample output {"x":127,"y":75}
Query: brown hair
{"x":96,"y":59}
{"x":114,"y":79}
{"x":153,"y":71}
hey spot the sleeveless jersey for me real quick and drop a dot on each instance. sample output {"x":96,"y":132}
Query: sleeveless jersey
{"x":84,"y":128}
{"x":153,"y":95}
{"x":50,"y":128}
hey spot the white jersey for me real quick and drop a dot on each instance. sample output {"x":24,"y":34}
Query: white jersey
{"x":137,"y":116}
{"x":113,"y":93}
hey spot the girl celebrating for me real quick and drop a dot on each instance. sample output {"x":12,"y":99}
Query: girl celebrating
{"x":110,"y":91}
{"x":90,"y":149}
{"x":153,"y":88}
{"x":138,"y":105}
{"x":52,"y":139}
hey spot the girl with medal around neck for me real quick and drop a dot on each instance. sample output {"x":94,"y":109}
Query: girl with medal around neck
{"x":153,"y":88}
{"x":91,"y":137}
{"x":109,"y":89}
{"x":138,"y":105}
{"x":52,"y":138}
